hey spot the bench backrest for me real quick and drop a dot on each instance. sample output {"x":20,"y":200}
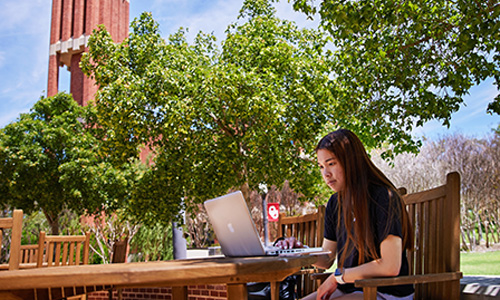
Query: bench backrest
{"x":62,"y":250}
{"x":308,"y":229}
{"x":15,"y":223}
{"x":29,"y":253}
{"x":435,"y":216}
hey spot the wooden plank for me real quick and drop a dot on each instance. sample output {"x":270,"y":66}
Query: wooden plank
{"x":426,"y":236}
{"x":232,"y":270}
{"x":275,"y":290}
{"x":411,"y":253}
{"x":50,"y":255}
{"x":41,"y":249}
{"x":9,"y":296}
{"x":370,"y":293}
{"x":15,"y":241}
{"x":86,"y":248}
{"x":414,"y":279}
{"x":320,"y":220}
{"x":439,"y":248}
{"x":66,"y":238}
{"x":236,"y":292}
{"x":6,"y":222}
{"x":64,"y":259}
{"x":419,"y":239}
{"x":432,"y":254}
{"x":424,"y":196}
{"x":75,"y":255}
{"x":180,"y":292}
{"x":299,"y":219}
{"x":453,"y":202}
{"x":57,"y":256}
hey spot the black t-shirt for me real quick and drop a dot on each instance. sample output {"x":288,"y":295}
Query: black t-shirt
{"x":382,"y":224}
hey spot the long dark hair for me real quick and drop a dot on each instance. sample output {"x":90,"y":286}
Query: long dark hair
{"x":354,"y":199}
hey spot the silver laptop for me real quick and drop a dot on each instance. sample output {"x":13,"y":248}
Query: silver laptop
{"x":235,"y":230}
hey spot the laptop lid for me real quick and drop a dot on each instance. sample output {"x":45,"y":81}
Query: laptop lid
{"x":233,"y":225}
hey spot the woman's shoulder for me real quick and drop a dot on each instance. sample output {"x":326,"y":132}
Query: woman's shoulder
{"x":332,"y":202}
{"x":378,"y":189}
{"x":381,"y":193}
{"x":383,"y":197}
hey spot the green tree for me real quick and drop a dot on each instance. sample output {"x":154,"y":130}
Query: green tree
{"x":49,"y":162}
{"x":403,"y":63}
{"x":239,"y":117}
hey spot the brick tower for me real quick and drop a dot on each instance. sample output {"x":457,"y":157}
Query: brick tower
{"x":71,"y":25}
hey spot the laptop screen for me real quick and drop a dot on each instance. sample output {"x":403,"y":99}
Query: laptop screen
{"x":233,"y":225}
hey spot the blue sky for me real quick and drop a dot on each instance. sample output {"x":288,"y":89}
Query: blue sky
{"x":24,"y":50}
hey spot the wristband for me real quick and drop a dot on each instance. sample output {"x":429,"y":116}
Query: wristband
{"x":339,"y":274}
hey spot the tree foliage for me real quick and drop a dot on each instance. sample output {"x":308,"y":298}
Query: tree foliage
{"x":236,"y":117}
{"x":403,"y":63}
{"x":49,"y":162}
{"x":248,"y":113}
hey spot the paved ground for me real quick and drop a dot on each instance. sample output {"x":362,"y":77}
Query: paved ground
{"x":480,"y":287}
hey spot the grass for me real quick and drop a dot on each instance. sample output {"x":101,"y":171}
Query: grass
{"x":477,"y":263}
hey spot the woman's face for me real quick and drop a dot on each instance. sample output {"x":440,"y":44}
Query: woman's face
{"x":331,"y":170}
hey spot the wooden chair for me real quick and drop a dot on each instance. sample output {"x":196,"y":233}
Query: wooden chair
{"x":15,"y":223}
{"x":308,"y":229}
{"x":435,"y":260}
{"x":61,"y":250}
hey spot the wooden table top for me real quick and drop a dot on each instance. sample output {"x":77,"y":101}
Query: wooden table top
{"x":161,"y":273}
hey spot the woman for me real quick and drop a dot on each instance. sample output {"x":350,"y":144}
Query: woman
{"x":366,"y":225}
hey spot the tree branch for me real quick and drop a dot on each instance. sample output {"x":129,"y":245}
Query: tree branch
{"x":222,"y":126}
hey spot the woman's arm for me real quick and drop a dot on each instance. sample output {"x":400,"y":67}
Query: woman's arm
{"x":326,"y":261}
{"x":389,"y":264}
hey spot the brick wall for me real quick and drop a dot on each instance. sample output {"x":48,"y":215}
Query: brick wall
{"x":195,"y":292}
{"x":72,"y":23}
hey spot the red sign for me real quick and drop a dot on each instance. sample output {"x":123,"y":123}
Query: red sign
{"x":273,"y":212}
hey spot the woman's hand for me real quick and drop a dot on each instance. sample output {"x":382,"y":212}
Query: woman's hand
{"x":327,"y":288}
{"x":289,"y":243}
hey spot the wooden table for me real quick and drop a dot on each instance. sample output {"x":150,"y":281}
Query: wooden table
{"x":60,"y":282}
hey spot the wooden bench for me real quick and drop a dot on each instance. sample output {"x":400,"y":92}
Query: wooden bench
{"x":435,"y":260}
{"x":308,"y":229}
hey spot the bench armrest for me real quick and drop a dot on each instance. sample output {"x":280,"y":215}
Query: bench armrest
{"x":411,"y":279}
{"x":388,"y":281}
{"x":320,"y":276}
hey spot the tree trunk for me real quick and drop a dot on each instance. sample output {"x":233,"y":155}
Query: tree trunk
{"x":496,"y":233}
{"x":471,"y":234}
{"x":464,"y":240}
{"x":479,"y":230}
{"x":486,"y":229}
{"x":53,"y":220}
